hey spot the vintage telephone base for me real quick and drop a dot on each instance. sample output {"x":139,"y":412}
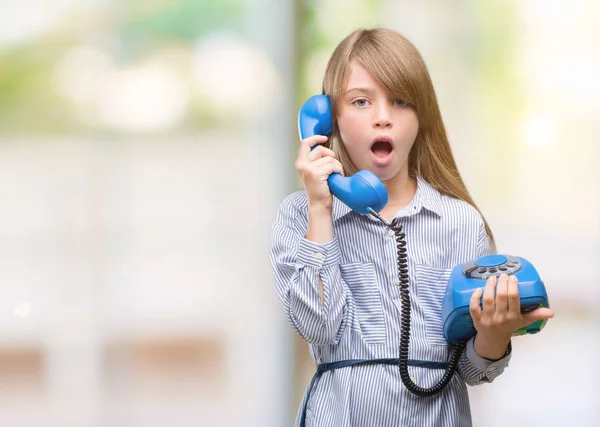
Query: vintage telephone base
{"x":465,"y":278}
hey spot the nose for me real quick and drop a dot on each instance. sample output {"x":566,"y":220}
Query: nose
{"x":383,"y":116}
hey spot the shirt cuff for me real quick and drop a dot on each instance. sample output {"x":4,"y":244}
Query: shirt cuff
{"x":486,"y":364}
{"x":318,"y":255}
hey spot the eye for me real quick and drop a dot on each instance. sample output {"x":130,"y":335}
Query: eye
{"x":361,"y":102}
{"x":399,"y":103}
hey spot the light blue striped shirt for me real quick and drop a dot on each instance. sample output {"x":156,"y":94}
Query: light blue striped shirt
{"x":360,"y":317}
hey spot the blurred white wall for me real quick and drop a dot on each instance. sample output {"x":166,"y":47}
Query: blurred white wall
{"x":136,"y":284}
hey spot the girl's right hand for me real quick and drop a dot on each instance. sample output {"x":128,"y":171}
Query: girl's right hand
{"x":314,"y":168}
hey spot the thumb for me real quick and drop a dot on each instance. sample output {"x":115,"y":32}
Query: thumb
{"x":537,"y":314}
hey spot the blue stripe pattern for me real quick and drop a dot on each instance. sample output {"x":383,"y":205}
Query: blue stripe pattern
{"x":361,"y":310}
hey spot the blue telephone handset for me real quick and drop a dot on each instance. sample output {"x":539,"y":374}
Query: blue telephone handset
{"x":363,"y":190}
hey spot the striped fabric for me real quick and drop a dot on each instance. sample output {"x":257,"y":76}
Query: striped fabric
{"x":360,"y":317}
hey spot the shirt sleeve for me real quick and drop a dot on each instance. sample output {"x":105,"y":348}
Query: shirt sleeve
{"x":473,"y":368}
{"x":476,"y":370}
{"x":298,"y":263}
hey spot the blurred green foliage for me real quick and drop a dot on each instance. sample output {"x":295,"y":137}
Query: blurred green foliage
{"x":32,"y":104}
{"x":29,"y":101}
{"x":144,"y":26}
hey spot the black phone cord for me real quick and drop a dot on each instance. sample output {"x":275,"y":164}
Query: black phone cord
{"x":405,"y":321}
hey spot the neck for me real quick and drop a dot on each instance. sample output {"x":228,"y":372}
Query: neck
{"x":401,"y":190}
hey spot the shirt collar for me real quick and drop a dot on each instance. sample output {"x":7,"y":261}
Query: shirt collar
{"x":426,"y":197}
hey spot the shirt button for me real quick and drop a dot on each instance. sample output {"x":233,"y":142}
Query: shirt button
{"x":397,"y":281}
{"x":318,"y":255}
{"x":391,"y":232}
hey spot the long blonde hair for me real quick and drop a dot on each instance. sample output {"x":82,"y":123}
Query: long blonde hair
{"x":395,"y":63}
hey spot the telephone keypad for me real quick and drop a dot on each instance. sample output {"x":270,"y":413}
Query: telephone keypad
{"x":473,"y":271}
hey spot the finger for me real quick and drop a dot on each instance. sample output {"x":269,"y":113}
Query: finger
{"x":474,"y":307}
{"x":312,"y":159}
{"x":307,"y":143}
{"x":319,"y":163}
{"x":488,"y":296}
{"x":338,"y":167}
{"x":514,"y":301}
{"x":324,"y":167}
{"x":334,"y":167}
{"x":319,"y":152}
{"x":502,"y":294}
{"x":541,"y":313}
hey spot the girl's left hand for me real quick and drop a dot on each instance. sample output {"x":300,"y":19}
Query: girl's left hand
{"x":500,"y":317}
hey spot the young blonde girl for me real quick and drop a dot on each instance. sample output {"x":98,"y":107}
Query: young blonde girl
{"x":336,"y":270}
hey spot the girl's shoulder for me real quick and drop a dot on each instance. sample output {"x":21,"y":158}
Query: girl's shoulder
{"x":296,"y":201}
{"x":460,"y":211}
{"x":293,"y":208}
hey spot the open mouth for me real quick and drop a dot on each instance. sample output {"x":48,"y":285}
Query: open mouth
{"x":381,"y":148}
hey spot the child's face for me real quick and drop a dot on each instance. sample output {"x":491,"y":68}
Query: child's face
{"x":377,"y":130}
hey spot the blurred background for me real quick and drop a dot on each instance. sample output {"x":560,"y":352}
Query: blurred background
{"x":146,"y":145}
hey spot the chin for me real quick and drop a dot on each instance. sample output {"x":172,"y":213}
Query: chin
{"x":385,"y":173}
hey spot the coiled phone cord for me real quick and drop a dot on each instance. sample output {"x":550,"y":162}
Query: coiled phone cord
{"x":405,"y":322}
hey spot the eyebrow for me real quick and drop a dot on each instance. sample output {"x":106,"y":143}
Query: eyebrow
{"x":367,"y":90}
